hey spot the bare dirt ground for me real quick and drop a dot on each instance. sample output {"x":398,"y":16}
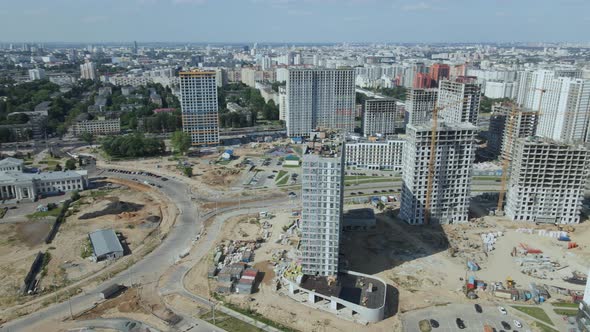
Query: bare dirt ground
{"x":136,"y":211}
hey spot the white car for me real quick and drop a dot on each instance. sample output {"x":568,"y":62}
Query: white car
{"x":502,"y":310}
{"x":517,"y":323}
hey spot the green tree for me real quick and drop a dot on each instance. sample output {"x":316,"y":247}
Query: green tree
{"x":58,"y":168}
{"x":188,"y":171}
{"x":87,"y":137}
{"x":181,"y":141}
{"x":71,"y":164}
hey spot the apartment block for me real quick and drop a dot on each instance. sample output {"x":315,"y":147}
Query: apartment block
{"x":380,"y":155}
{"x":88,"y":71}
{"x":199,"y":106}
{"x":547,"y":181}
{"x":451,"y":179}
{"x":322,"y":201}
{"x":500,"y":141}
{"x":419,"y":105}
{"x":459,"y":100}
{"x":97,"y":127}
{"x":320,"y":98}
{"x":382,"y":116}
{"x":563,"y":100}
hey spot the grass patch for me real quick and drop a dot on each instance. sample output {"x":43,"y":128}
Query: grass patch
{"x":565,"y":305}
{"x":229,"y":323}
{"x":281,"y":174}
{"x":223,"y":162}
{"x":253,"y":314}
{"x":566,"y":312}
{"x":543,"y":327}
{"x":99,"y":193}
{"x":42,"y":214}
{"x":535,"y":312}
{"x":291,"y":166}
{"x":86,"y":249}
{"x":282,"y":178}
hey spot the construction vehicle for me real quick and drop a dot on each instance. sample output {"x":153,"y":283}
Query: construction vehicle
{"x":510,"y":284}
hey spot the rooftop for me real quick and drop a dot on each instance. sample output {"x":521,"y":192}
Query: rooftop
{"x":104,"y":242}
{"x":348,"y":287}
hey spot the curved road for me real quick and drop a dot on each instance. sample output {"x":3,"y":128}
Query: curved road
{"x":151,"y":267}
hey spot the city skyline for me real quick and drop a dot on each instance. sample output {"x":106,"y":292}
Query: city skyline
{"x":295,"y":21}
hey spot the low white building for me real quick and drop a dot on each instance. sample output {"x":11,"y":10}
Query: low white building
{"x":15,"y":184}
{"x":384,"y":155}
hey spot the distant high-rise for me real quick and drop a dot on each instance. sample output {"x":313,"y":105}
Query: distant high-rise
{"x":422,"y":81}
{"x":563,"y":101}
{"x":200,"y":118}
{"x":459,"y":100}
{"x":322,"y":197}
{"x":438,"y":72}
{"x":382,"y":116}
{"x":88,"y":71}
{"x":135,"y":49}
{"x":451,"y":178}
{"x":36,"y":74}
{"x":419,"y":105}
{"x":547,"y":181}
{"x":322,"y":98}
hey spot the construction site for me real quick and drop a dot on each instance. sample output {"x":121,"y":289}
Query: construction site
{"x":47,"y":255}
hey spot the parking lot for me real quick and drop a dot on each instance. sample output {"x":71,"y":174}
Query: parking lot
{"x":474,"y":321}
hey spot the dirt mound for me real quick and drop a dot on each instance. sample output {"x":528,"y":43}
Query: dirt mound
{"x":33,"y":233}
{"x":113,"y":208}
{"x":221,"y":176}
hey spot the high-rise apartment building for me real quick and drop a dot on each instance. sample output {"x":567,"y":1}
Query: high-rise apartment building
{"x":88,"y":71}
{"x":451,"y":179}
{"x":563,"y":102}
{"x":382,"y":116}
{"x":422,"y":81}
{"x":322,"y":188}
{"x":439,"y":72}
{"x":282,"y":103}
{"x":500,"y":140}
{"x":459,"y":100}
{"x":36,"y":74}
{"x":547,"y":181}
{"x":320,"y":98}
{"x":200,"y":118}
{"x":375,"y":155}
{"x":419,"y":105}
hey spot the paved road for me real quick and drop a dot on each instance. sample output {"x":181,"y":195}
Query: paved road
{"x":474,"y":322}
{"x":119,"y":324}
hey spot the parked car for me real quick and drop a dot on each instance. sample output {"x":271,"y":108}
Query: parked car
{"x":517,"y":323}
{"x":505,"y":325}
{"x":434,"y":323}
{"x":502,"y":310}
{"x":478,"y":308}
{"x":460,"y":323}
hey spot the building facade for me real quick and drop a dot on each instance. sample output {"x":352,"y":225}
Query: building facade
{"x":200,"y":113}
{"x":88,"y":71}
{"x":36,"y":74}
{"x":15,"y":184}
{"x":386,"y":155}
{"x":459,"y":100}
{"x":451,"y":179}
{"x":97,"y":127}
{"x":320,"y":98}
{"x":547,"y":181}
{"x":500,"y":140}
{"x":419,"y":105}
{"x":322,"y":188}
{"x":382,"y":116}
{"x":563,"y":101}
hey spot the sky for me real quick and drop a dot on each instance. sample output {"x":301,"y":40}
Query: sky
{"x":420,"y":21}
